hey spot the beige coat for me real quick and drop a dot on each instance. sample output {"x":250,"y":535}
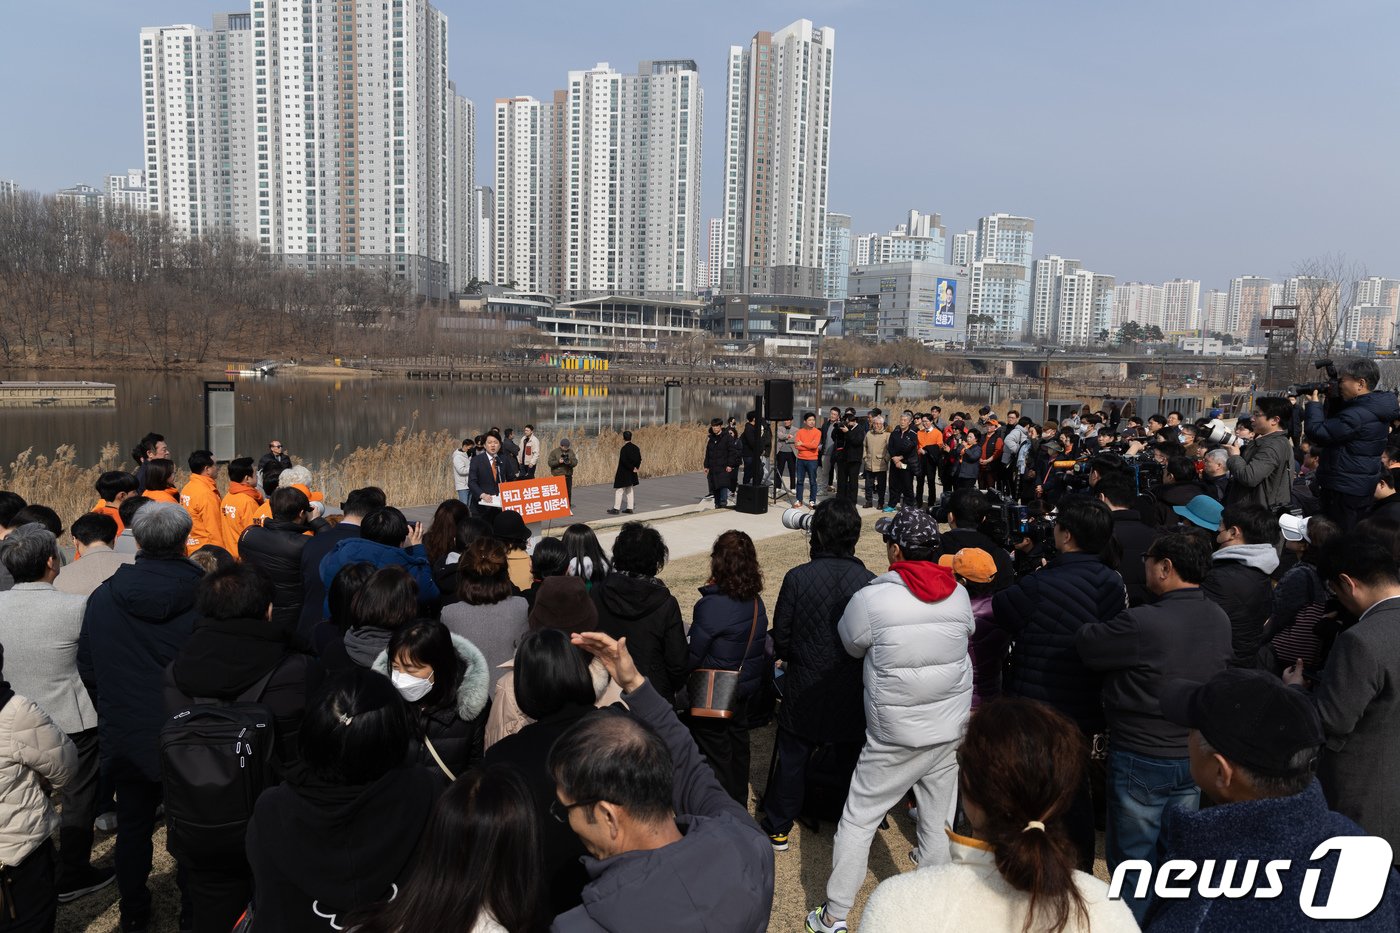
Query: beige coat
{"x":877,"y":451}
{"x":35,"y":758}
{"x":88,"y":573}
{"x":507,"y":719}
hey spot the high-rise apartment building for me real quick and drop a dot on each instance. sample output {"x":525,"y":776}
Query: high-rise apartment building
{"x":714,"y":252}
{"x":462,"y":214}
{"x":1216,"y":312}
{"x":324,"y":131}
{"x":964,"y":248}
{"x":128,"y":190}
{"x":1045,"y":274}
{"x":998,"y":292}
{"x":9,"y":188}
{"x":1140,"y":302}
{"x":838,"y":254}
{"x":1379,"y":292}
{"x":524,"y":256}
{"x":921,"y":238}
{"x":777,"y":141}
{"x":1181,"y":306}
{"x":1083,"y":308}
{"x":1251,"y":298}
{"x":598,"y":192}
{"x":484,"y":233}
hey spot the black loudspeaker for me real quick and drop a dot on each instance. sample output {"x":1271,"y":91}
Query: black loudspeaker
{"x":777,"y":399}
{"x":751,"y":498}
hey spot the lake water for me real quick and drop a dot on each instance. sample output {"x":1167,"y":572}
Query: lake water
{"x":313,"y":415}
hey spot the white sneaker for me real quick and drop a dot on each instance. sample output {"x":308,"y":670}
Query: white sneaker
{"x":817,"y":922}
{"x":107,"y":822}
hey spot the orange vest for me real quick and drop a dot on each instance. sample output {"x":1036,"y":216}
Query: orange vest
{"x":238,"y":507}
{"x":111,"y":511}
{"x":200,"y":497}
{"x":162,"y":495}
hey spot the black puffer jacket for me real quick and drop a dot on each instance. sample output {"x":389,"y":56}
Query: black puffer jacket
{"x":642,"y":610}
{"x":1173,"y":494}
{"x":1239,"y":582}
{"x":721,"y":450}
{"x":275,"y":548}
{"x":457,"y":725}
{"x":822,"y":689}
{"x":719,"y":631}
{"x":1352,"y":442}
{"x":1043,"y":612}
{"x":1132,"y":537}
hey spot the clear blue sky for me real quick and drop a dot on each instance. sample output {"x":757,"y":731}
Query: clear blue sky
{"x":1148,"y":140}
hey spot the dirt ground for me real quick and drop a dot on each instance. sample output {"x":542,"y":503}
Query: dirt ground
{"x":801,"y":872}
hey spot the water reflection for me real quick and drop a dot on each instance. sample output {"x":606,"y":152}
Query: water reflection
{"x":314,"y":415}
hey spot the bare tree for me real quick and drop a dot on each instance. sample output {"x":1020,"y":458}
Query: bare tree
{"x":1325,"y":290}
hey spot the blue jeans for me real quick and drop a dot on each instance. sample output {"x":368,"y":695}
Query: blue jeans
{"x":464,"y":496}
{"x":1140,"y":788}
{"x":806,"y":472}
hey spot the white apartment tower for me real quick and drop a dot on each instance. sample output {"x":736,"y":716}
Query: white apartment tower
{"x":838,"y":254}
{"x":1216,"y":312}
{"x":631,"y":189}
{"x":714,"y":252}
{"x":462,"y":209}
{"x":483,"y":234}
{"x":964,"y":248}
{"x":777,"y":141}
{"x":999,"y":292}
{"x":128,"y":190}
{"x":1045,"y":276}
{"x":1181,"y":306}
{"x":921,"y":238}
{"x":325,"y":130}
{"x":1251,"y":299}
{"x":1083,"y":307}
{"x":1139,"y":302}
{"x":523,"y":193}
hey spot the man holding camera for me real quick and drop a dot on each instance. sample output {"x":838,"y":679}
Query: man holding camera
{"x":1262,"y":472}
{"x":1350,"y":443}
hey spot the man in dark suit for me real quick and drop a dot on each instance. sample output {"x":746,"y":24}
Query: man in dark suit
{"x":356,"y":506}
{"x":488,"y":470}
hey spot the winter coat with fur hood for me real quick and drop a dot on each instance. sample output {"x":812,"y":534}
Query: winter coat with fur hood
{"x":455,"y":726}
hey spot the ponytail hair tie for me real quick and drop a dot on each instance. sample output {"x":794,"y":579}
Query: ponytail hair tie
{"x":344,"y":719}
{"x":1034,"y":824}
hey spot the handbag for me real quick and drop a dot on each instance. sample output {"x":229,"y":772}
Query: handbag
{"x":714,"y":692}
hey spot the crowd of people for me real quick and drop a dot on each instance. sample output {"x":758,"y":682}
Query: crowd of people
{"x":350,"y":721}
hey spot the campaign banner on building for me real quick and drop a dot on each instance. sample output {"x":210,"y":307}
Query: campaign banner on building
{"x":945,"y":313}
{"x":537,"y":500}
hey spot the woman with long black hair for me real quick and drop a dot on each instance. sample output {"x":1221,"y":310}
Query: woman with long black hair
{"x":478,"y":867}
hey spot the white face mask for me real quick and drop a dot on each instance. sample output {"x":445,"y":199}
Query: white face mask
{"x":411,"y":688}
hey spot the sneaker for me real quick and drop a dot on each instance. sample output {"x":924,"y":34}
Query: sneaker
{"x":888,"y":508}
{"x":817,"y":922}
{"x":84,"y":883}
{"x":107,"y":822}
{"x":614,"y":512}
{"x":779,"y":840}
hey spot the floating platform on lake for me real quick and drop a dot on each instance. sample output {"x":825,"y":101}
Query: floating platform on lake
{"x":57,"y":394}
{"x":615,"y":377}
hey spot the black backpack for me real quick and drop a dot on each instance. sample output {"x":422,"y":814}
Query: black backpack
{"x":216,"y":757}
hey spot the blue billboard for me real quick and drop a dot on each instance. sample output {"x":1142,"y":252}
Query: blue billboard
{"x":945,"y":312}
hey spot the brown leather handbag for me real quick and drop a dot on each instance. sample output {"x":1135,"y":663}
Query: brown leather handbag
{"x":714,"y":693}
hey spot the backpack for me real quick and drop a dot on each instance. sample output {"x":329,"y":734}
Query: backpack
{"x":216,"y":757}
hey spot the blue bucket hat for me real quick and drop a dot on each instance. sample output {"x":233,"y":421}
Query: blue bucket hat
{"x":1203,"y":511}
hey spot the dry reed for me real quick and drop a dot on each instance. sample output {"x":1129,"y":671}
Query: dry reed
{"x":58,"y":481}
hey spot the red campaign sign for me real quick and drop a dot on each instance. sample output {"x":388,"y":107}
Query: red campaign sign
{"x":537,"y":500}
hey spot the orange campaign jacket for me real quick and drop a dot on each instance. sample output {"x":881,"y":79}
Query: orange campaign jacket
{"x":111,"y":511}
{"x":200,"y":497}
{"x":162,"y":495}
{"x":239,"y":506}
{"x":264,"y":511}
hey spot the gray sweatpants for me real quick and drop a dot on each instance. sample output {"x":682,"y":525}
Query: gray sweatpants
{"x":883,"y":774}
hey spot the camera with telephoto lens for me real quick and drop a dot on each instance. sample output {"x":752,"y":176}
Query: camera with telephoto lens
{"x":798,"y":519}
{"x":1331,"y":389}
{"x":1214,"y":432}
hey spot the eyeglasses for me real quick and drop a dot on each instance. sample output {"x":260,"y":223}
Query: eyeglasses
{"x":560,"y":810}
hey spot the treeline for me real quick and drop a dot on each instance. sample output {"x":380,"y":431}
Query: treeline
{"x":85,"y":284}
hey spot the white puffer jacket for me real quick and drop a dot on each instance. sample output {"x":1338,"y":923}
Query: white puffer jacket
{"x":33,"y":752}
{"x":911,"y":625}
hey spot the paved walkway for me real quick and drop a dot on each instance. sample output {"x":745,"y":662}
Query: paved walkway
{"x":657,"y":500}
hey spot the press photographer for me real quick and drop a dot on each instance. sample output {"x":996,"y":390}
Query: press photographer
{"x":1350,"y":442}
{"x":1262,"y":472}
